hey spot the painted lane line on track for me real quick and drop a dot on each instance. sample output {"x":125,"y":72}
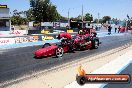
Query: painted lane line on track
{"x":113,"y":67}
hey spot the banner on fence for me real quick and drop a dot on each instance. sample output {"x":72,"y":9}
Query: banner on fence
{"x":33,"y":38}
{"x":19,"y":32}
{"x":4,"y":41}
{"x":21,"y":39}
{"x":47,"y":38}
{"x":47,"y":24}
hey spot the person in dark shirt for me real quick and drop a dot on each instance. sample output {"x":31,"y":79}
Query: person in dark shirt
{"x":109,"y":29}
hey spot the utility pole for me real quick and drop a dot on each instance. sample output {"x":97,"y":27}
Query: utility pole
{"x":82,"y":16}
{"x":98,"y":18}
{"x":68,"y":19}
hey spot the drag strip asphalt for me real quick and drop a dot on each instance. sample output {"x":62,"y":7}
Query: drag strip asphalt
{"x":18,"y":62}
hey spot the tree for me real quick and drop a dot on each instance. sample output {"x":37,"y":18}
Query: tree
{"x":44,"y":11}
{"x":79,"y":17}
{"x":29,"y":15}
{"x":16,"y":19}
{"x":88,"y":17}
{"x":96,"y":21}
{"x":105,"y":19}
{"x":63,"y":18}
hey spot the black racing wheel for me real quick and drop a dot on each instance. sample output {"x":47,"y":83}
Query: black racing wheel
{"x":95,"y":44}
{"x":59,"y":51}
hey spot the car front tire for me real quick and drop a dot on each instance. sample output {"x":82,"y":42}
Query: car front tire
{"x":59,"y":51}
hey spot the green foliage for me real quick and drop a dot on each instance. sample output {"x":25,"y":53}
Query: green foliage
{"x":29,"y":15}
{"x":17,"y":19}
{"x":79,"y":17}
{"x":105,"y":19}
{"x":88,"y":17}
{"x":44,"y":11}
{"x":96,"y":20}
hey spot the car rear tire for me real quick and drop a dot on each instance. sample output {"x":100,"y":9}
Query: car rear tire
{"x":59,"y":51}
{"x":95,"y":44}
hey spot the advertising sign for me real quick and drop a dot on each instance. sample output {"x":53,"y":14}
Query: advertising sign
{"x":47,"y":38}
{"x":4,"y":41}
{"x":21,"y":39}
{"x":30,"y":24}
{"x":36,"y":24}
{"x":33,"y":38}
{"x":47,"y":24}
{"x":56,"y":24}
{"x":19,"y":32}
{"x":64,"y":24}
{"x":3,"y":6}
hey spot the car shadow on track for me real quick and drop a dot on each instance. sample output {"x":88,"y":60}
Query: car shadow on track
{"x":44,"y":57}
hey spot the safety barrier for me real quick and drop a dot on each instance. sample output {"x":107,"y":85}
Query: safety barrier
{"x":25,"y":44}
{"x":23,"y":39}
{"x":4,"y":41}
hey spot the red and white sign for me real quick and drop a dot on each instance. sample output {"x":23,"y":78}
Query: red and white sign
{"x":19,"y":32}
{"x":4,"y":41}
{"x":21,"y":39}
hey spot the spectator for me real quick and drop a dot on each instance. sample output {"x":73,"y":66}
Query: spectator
{"x":119,"y":28}
{"x":116,"y":27}
{"x":96,"y":28}
{"x":109,"y":29}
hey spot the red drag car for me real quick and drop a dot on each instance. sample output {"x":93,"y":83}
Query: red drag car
{"x":50,"y":50}
{"x":78,"y":42}
{"x":86,"y":39}
{"x":55,"y":49}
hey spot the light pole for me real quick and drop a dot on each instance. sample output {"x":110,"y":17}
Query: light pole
{"x":98,"y":18}
{"x":68,"y":19}
{"x":82,"y":16}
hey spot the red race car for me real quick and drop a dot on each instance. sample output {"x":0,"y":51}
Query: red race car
{"x":86,"y":39}
{"x":68,"y":44}
{"x":49,"y":50}
{"x":55,"y":49}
